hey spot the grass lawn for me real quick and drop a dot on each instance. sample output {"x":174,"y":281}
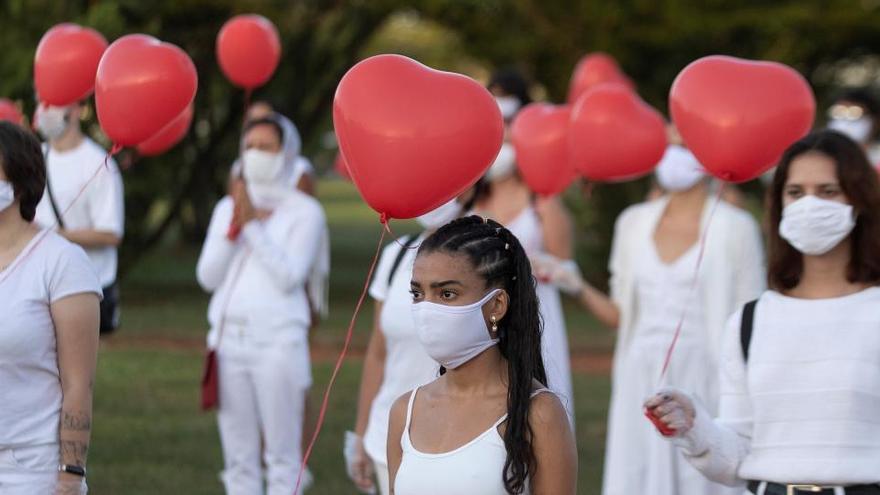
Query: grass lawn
{"x":150,"y":437}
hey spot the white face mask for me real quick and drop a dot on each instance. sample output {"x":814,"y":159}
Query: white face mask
{"x":679,"y":170}
{"x":440,"y":216}
{"x":504,"y":165}
{"x":508,"y":105}
{"x":7,"y":195}
{"x":261,"y":167}
{"x":453,"y":335}
{"x":261,"y":171}
{"x":815,"y":226}
{"x":859,"y":130}
{"x":51,"y":121}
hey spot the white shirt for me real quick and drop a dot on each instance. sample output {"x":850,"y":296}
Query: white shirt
{"x":407,"y":365}
{"x":805,"y":407}
{"x":100,"y":205}
{"x":272,"y":259}
{"x":47,"y":270}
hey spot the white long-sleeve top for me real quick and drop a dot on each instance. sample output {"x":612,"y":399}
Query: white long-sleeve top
{"x":806,"y":406}
{"x":259,"y":281}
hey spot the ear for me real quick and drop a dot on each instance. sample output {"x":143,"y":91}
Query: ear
{"x":497,"y":307}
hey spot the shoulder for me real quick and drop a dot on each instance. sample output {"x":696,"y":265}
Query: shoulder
{"x":298,"y":203}
{"x":638,"y":211}
{"x":65,"y":262}
{"x":54,"y":246}
{"x":735,"y":219}
{"x":399,"y":409}
{"x":547,"y":412}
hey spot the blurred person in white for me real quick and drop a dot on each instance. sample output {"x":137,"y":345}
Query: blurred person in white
{"x":266,"y":260}
{"x":800,"y":367}
{"x":261,"y":109}
{"x":855,"y":113}
{"x":49,"y":299}
{"x":654,"y":255}
{"x":542,"y":225}
{"x":395,"y":362}
{"x":91,"y":214}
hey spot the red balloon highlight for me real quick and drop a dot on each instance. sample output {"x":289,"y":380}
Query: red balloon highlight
{"x":539,"y":134}
{"x":169,"y":136}
{"x":413,"y":137}
{"x":614,"y":135}
{"x":66,"y":62}
{"x":738,"y":116}
{"x":141,"y":86}
{"x":248,"y":50}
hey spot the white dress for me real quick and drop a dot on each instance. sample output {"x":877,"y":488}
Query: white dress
{"x":664,"y":291}
{"x":651,"y":296}
{"x":554,"y":345}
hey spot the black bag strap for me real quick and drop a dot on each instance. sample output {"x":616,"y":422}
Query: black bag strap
{"x":52,"y":201}
{"x":410,"y":240}
{"x":746,"y":327}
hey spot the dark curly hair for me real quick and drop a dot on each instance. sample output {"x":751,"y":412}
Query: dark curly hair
{"x":24,"y":167}
{"x":497,"y":256}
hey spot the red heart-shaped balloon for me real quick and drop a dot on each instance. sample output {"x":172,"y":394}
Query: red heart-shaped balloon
{"x":9,"y":111}
{"x":170,"y":135}
{"x":592,"y":70}
{"x":248,"y":49}
{"x":737,"y":116}
{"x":539,"y":134}
{"x":65,"y":63}
{"x":141,"y":86}
{"x":614,"y":135}
{"x":413,"y":137}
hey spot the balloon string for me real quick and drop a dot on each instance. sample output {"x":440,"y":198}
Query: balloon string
{"x":339,"y":361}
{"x":105,"y":164}
{"x":387,"y":225}
{"x":693,"y":287}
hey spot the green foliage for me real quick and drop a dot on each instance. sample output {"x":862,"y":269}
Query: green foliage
{"x":321,"y":39}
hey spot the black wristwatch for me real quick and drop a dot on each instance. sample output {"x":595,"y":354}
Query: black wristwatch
{"x":76,"y":470}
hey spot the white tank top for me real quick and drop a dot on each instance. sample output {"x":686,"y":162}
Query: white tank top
{"x":475,"y":468}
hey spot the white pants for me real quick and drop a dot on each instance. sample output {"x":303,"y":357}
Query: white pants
{"x":262,"y":402}
{"x":29,"y":470}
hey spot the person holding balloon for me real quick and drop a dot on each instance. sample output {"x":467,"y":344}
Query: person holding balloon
{"x":84,"y":197}
{"x":799,"y":366}
{"x":488,"y":425}
{"x":260,"y":273}
{"x":654,"y":253}
{"x":395,"y":361}
{"x":49,"y":299}
{"x":542,"y":224}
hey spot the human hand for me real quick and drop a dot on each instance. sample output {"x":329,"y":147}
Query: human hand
{"x":358,"y":464}
{"x":244,"y":207}
{"x":70,"y":484}
{"x":671,"y":411}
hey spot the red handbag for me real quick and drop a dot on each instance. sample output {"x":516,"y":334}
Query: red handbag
{"x":210,"y":382}
{"x":210,"y":375}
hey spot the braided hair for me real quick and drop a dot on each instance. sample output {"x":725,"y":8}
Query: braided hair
{"x":500,"y":260}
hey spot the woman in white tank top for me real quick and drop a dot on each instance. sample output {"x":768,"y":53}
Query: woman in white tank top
{"x":484,"y":427}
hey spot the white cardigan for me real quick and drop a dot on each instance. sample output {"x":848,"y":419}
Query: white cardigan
{"x":732,"y":271}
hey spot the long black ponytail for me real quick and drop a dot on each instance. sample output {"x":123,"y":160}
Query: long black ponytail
{"x":501,"y":261}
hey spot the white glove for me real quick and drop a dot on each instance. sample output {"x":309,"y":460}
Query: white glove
{"x":564,"y":274}
{"x":358,"y":464}
{"x":71,"y":487}
{"x":671,"y":410}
